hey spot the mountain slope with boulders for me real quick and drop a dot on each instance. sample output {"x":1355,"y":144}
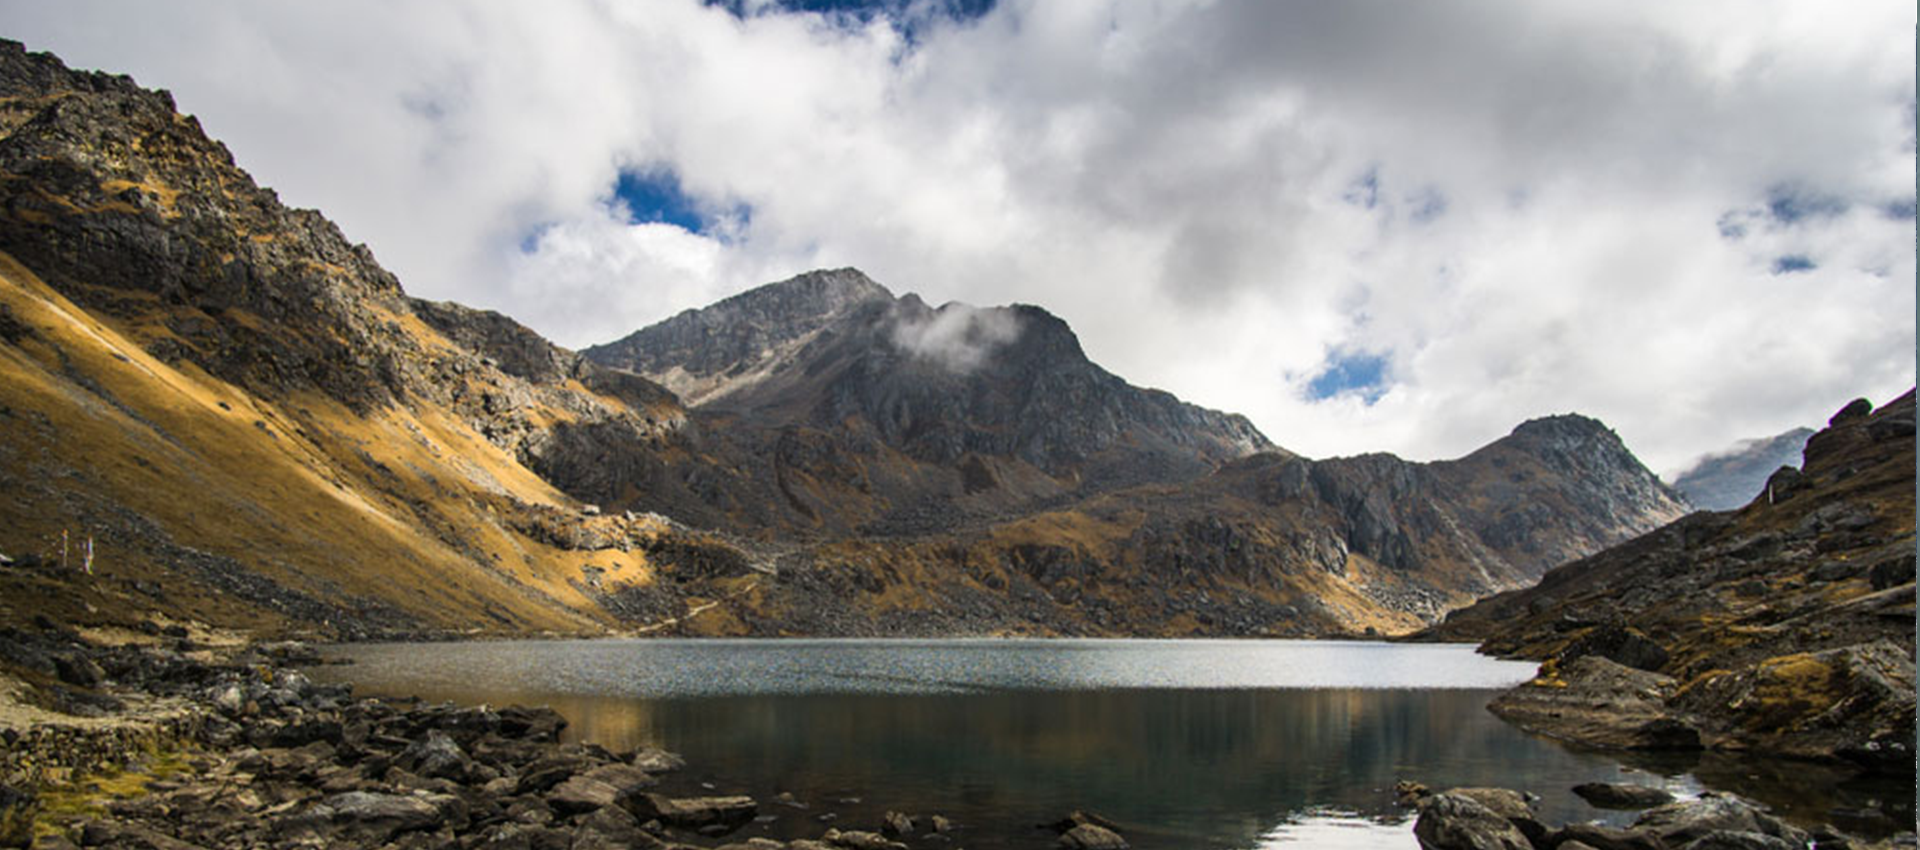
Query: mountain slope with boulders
{"x":1785,"y":627}
{"x":217,"y":409}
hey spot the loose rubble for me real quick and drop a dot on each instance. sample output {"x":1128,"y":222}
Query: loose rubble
{"x":241,"y":752}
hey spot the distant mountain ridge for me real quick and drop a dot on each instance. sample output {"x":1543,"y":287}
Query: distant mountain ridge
{"x":827,"y":347}
{"x":260,"y":428}
{"x":1726,"y":480}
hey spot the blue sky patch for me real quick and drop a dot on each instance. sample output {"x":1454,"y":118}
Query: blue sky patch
{"x":1794,"y":204}
{"x":1428,"y":205}
{"x":1790,"y":263}
{"x":654,"y":196}
{"x":1364,"y":192}
{"x":910,"y":17}
{"x":1359,"y":373}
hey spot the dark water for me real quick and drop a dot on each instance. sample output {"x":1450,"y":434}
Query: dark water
{"x":1203,"y":744}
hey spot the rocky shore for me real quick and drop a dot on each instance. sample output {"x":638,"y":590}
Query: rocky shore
{"x":1506,"y":819}
{"x":164,"y":743}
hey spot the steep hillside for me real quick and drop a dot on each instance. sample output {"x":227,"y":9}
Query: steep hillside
{"x":1728,"y":480}
{"x":246,"y":415}
{"x":1786,"y":626}
{"x":255,"y":426}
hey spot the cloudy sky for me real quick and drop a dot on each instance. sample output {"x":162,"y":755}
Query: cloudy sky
{"x":1368,"y":226}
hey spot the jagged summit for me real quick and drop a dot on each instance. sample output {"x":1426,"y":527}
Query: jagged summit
{"x":830,"y":348}
{"x":703,"y":354}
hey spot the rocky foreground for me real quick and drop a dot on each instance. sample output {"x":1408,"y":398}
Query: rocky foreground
{"x":169,"y":744}
{"x":1504,"y":819}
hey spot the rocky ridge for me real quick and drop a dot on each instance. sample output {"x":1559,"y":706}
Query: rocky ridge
{"x":1783,"y":628}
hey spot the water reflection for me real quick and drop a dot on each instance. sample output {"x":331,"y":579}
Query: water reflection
{"x":1167,"y":739}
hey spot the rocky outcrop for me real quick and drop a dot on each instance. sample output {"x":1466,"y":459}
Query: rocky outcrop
{"x":1727,"y":480}
{"x":1463,"y":819}
{"x":1785,"y":627}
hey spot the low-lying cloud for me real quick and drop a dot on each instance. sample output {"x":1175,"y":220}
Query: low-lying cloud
{"x":957,"y":337}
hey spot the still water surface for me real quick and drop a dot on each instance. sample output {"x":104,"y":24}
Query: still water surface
{"x":1189,"y":744}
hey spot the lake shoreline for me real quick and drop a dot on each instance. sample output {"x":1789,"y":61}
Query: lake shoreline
{"x":181,"y":745}
{"x":240,"y":738}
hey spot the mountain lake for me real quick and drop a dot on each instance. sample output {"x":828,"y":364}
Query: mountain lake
{"x":1184,"y":743}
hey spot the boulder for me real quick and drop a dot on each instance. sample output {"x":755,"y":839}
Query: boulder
{"x":656,"y":760}
{"x":1618,"y":643}
{"x":435,"y":756}
{"x":380,"y":816}
{"x":1516,"y":807}
{"x":1610,"y":795}
{"x":1450,"y":821}
{"x":1089,"y":836}
{"x":1679,"y":824}
{"x":539,"y":724}
{"x":602,"y":786}
{"x":1603,"y":838}
{"x":1891,"y":572}
{"x":860,"y":840}
{"x":692,"y":812}
{"x":895,"y":824}
{"x":610,"y":828}
{"x":1726,"y":840}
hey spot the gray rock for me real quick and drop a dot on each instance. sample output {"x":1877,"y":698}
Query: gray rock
{"x":861,"y":840}
{"x":1605,"y":838}
{"x":1726,"y":840}
{"x":656,"y":760}
{"x":380,"y":816}
{"x":1891,"y":572}
{"x":1089,"y":836}
{"x":1450,"y":821}
{"x":692,"y":812}
{"x":602,"y":786}
{"x":435,"y":756}
{"x":895,"y":824}
{"x":1682,"y":822}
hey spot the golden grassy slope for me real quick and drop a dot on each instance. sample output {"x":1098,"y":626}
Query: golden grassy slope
{"x":402,"y":506}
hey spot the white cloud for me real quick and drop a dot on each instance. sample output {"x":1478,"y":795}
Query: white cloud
{"x":1176,"y":179}
{"x":957,"y":337}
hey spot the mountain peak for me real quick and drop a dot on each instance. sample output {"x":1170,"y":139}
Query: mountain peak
{"x":1565,"y":426}
{"x":820,"y":292}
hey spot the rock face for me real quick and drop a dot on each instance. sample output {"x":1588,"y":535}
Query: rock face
{"x":1728,"y":480}
{"x":829,"y":370}
{"x":227,"y":396}
{"x":1785,"y":627}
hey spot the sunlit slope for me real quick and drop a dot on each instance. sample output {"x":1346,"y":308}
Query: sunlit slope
{"x":395,"y":515}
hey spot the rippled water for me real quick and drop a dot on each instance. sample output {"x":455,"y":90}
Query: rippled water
{"x":1189,"y":744}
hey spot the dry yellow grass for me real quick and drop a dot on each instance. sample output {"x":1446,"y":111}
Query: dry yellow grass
{"x":303,"y":490}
